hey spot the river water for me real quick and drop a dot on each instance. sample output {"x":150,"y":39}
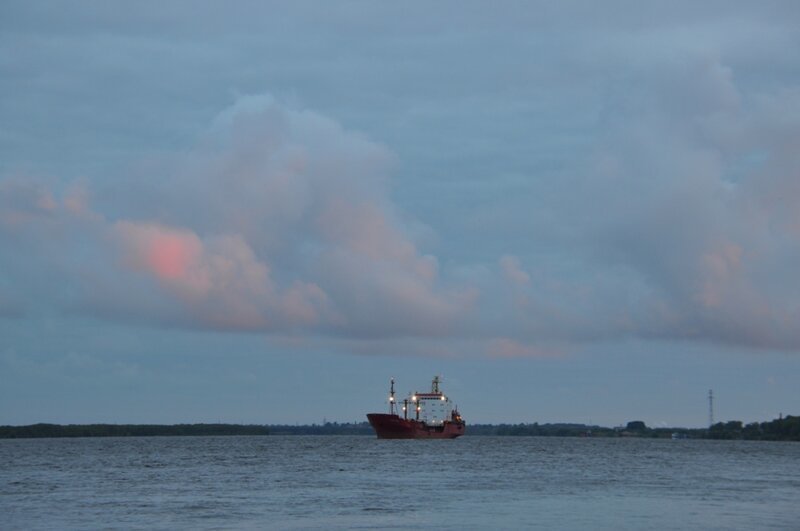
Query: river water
{"x":359,"y":482}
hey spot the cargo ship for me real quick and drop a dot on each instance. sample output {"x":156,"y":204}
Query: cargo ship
{"x":434,"y":417}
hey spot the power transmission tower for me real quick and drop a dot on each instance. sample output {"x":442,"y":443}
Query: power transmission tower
{"x":710,"y":408}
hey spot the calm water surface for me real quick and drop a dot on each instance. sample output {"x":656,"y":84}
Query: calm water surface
{"x":324,"y":482}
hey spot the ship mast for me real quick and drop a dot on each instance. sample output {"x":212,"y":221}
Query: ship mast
{"x":391,"y":397}
{"x":435,"y":385}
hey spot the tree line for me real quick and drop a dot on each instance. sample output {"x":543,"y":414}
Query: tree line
{"x":781,"y":429}
{"x":127,"y":430}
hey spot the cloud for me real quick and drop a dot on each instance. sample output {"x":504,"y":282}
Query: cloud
{"x":219,"y":281}
{"x":22,"y":202}
{"x":513,"y":271}
{"x":674,"y":224}
{"x":636,"y":180}
{"x":677,"y":198}
{"x":172,"y":255}
{"x":278,"y":221}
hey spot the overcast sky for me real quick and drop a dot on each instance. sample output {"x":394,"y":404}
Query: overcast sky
{"x":260,"y":212}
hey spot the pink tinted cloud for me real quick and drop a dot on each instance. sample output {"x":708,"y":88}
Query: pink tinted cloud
{"x":173,"y":256}
{"x":377,"y":298}
{"x":363,"y":228}
{"x":316,"y":194}
{"x":287,"y":222}
{"x":219,"y":280}
{"x":383,"y":284}
{"x":310,"y":198}
{"x":169,"y":256}
{"x":280,"y":220}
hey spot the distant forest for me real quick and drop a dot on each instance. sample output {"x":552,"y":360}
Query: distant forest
{"x":781,"y":429}
{"x":127,"y":430}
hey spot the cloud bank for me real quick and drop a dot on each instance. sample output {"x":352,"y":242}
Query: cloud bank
{"x":545,"y":179}
{"x":279,"y":221}
{"x":681,"y":220}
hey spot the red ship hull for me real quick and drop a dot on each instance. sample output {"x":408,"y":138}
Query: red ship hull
{"x":393,"y":427}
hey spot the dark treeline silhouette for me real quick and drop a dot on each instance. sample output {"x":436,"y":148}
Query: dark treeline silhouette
{"x":127,"y":430}
{"x":635,"y":428}
{"x":328,"y":428}
{"x":150,"y":430}
{"x":781,"y":429}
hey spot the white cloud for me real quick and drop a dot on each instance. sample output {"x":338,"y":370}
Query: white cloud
{"x":632,"y":172}
{"x":278,"y":221}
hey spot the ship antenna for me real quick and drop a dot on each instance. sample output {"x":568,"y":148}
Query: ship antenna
{"x":391,"y":397}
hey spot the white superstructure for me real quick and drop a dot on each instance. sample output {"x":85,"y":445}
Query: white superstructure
{"x":432,"y":408}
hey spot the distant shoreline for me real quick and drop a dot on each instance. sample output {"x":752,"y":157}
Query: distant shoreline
{"x":782,"y":429}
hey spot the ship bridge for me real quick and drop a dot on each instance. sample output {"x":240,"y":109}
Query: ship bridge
{"x":432,"y":408}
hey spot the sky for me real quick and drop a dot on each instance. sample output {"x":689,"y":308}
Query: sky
{"x":259,"y":212}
